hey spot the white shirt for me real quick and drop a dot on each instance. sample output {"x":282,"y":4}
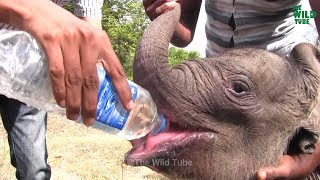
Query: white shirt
{"x":263,"y":24}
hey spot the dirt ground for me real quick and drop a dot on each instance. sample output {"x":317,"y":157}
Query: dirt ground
{"x":77,"y":152}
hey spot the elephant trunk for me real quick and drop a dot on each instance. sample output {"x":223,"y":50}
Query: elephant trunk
{"x":151,"y":68}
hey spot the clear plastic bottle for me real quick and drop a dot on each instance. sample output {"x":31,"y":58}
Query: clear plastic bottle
{"x":24,"y":76}
{"x":114,"y":119}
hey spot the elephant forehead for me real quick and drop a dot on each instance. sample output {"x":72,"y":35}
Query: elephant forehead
{"x":271,"y":70}
{"x":268,"y":71}
{"x":259,"y":64}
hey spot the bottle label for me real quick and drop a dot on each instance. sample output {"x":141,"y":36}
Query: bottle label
{"x":110,"y":110}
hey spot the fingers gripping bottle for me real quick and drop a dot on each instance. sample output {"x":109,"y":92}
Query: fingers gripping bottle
{"x":114,"y":119}
{"x":24,"y":76}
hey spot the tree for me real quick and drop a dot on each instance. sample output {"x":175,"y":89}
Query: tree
{"x":124,"y":21}
{"x":177,"y":55}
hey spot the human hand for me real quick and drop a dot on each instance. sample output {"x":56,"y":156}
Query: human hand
{"x":154,"y":8}
{"x":93,"y":21}
{"x":73,"y":48}
{"x":292,"y":167}
{"x":185,"y":29}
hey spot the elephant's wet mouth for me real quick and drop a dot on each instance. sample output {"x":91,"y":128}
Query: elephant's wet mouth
{"x":171,"y":141}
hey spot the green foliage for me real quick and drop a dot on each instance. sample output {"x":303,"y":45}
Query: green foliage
{"x":176,"y":55}
{"x":124,"y":21}
{"x":69,"y":6}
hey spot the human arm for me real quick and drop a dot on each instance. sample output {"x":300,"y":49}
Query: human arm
{"x":73,"y":48}
{"x":189,"y":16}
{"x":93,"y":21}
{"x":292,"y":167}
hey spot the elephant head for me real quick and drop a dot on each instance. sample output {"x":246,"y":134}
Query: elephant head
{"x":229,"y":114}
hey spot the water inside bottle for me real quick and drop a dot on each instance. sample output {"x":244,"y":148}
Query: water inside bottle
{"x":141,"y":118}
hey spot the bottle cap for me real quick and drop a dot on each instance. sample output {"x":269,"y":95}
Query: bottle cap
{"x":163,"y":124}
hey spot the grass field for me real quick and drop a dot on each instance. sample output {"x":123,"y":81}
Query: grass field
{"x":77,"y":152}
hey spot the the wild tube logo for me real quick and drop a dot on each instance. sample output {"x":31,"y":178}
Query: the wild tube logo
{"x":302,"y":16}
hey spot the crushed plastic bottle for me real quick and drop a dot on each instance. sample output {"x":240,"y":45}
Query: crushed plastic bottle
{"x":24,"y":76}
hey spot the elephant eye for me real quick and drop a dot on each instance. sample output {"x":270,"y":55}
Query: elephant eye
{"x":237,"y":88}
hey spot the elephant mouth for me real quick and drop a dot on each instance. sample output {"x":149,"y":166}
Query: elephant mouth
{"x":165,"y":145}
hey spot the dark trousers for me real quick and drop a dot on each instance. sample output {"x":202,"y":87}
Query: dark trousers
{"x":26,"y":128}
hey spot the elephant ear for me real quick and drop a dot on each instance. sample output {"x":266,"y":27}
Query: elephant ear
{"x":305,"y":62}
{"x":305,"y":58}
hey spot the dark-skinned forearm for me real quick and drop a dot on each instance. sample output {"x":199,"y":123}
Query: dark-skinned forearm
{"x":317,"y":154}
{"x":186,"y":28}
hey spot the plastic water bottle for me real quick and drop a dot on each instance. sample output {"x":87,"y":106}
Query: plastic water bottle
{"x":24,"y":76}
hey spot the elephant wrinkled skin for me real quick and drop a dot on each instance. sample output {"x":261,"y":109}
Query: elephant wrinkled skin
{"x":228,"y":115}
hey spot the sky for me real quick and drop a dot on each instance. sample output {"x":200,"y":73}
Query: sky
{"x":199,"y":41}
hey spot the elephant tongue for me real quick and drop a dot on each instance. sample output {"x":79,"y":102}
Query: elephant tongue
{"x":155,"y":143}
{"x":169,"y":141}
{"x":149,"y":143}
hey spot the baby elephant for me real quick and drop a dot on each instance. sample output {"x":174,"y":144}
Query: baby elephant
{"x":228,"y":115}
